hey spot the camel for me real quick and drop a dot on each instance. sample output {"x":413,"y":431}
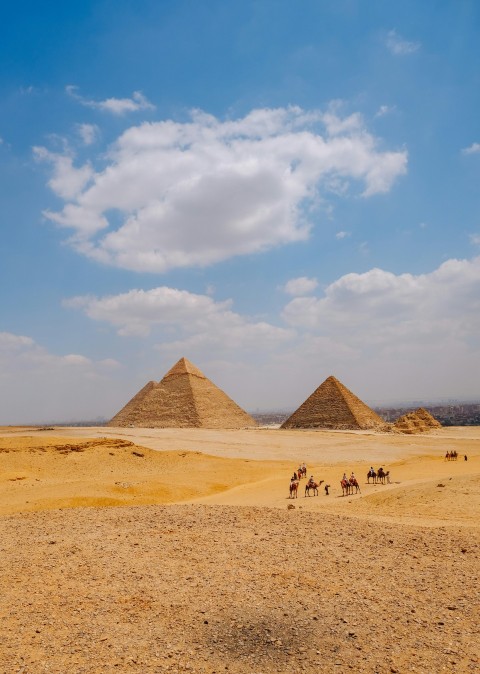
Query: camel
{"x":381,"y":476}
{"x":346,"y":487}
{"x":294,"y":489}
{"x":314,"y":486}
{"x":354,"y":483}
{"x":302,"y":472}
{"x":371,"y":474}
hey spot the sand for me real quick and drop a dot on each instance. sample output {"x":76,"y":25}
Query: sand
{"x":206,"y":564}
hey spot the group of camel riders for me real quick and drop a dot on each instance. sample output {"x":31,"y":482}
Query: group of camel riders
{"x":352,"y":480}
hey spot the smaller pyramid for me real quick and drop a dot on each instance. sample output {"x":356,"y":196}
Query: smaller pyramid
{"x":184,"y":398}
{"x":418,"y":421}
{"x":333,"y":406}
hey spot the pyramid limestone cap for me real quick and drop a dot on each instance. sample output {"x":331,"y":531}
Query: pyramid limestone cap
{"x":184,"y":366}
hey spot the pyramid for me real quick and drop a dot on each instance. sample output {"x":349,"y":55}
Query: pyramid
{"x":418,"y":421}
{"x":184,"y":398}
{"x":332,"y":405}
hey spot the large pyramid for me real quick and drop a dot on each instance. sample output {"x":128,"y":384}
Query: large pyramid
{"x":184,"y":398}
{"x":332,"y":405}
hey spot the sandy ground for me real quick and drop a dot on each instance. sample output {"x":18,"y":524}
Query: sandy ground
{"x":208,"y":566}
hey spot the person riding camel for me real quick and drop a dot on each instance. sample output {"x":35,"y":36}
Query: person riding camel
{"x":345,"y":477}
{"x":311,"y":480}
{"x":295,"y":476}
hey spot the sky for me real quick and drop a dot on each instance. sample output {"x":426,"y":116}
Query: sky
{"x":278,"y":191}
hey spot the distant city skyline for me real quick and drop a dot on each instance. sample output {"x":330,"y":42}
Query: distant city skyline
{"x":277,"y":191}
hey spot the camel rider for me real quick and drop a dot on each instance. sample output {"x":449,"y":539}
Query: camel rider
{"x":352,"y":477}
{"x":311,"y":480}
{"x":295,"y":477}
{"x":345,"y":477}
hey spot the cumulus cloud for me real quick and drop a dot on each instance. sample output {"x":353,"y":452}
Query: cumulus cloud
{"x":88,"y":133}
{"x":67,"y":181}
{"x":392,"y":336}
{"x":184,"y":320}
{"x":398,"y":46}
{"x":387,"y":308}
{"x":191,"y":194}
{"x":117,"y":106}
{"x":300,"y":286}
{"x":38,"y":385}
{"x":342,"y":235}
{"x":474,"y":148}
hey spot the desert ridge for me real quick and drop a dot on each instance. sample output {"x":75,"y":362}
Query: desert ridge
{"x":71,"y":468}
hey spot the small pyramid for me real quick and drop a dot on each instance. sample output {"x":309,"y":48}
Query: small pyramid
{"x":184,"y":398}
{"x":333,"y":405}
{"x":418,"y":421}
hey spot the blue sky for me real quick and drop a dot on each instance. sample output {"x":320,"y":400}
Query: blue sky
{"x":278,"y":191}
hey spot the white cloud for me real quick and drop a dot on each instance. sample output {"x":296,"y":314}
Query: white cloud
{"x":475,"y":239}
{"x":474,"y":148}
{"x":185,"y":320}
{"x":392,"y":337}
{"x":300,"y":286}
{"x":37,"y":385}
{"x":192,"y":194}
{"x":117,"y":106}
{"x":342,"y":235}
{"x":67,"y":181}
{"x":386,"y":308}
{"x":398,"y":46}
{"x":88,"y":133}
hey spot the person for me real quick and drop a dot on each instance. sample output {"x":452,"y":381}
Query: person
{"x":295,"y":476}
{"x":345,"y":477}
{"x":311,"y":480}
{"x":465,"y":458}
{"x":326,"y":489}
{"x":352,"y":476}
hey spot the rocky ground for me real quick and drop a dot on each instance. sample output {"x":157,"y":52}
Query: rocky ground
{"x":203,"y":588}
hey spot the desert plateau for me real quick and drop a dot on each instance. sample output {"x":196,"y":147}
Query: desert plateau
{"x":179,"y":550}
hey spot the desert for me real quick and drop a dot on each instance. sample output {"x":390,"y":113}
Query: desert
{"x":152,"y":550}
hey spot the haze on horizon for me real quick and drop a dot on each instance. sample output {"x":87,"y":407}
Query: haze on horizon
{"x":277,"y":192}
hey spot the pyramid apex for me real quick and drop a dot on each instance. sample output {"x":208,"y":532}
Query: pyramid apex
{"x":184,"y":366}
